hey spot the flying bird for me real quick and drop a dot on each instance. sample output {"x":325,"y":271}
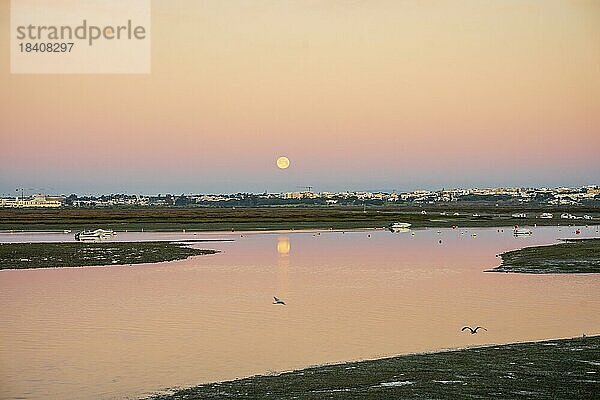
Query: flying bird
{"x":473,"y":331}
{"x":277,"y":300}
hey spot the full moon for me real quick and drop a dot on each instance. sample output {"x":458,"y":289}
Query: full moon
{"x":283,"y":162}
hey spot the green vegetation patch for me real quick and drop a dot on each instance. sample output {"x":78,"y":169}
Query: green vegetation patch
{"x":557,"y":369}
{"x":571,"y":256}
{"x":48,"y":255}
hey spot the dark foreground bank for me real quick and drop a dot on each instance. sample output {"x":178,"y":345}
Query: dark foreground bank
{"x":557,"y":369}
{"x":48,"y":255}
{"x":571,"y":256}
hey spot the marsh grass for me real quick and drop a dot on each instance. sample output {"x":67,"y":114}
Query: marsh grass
{"x":262,"y":218}
{"x":572,"y":256}
{"x":48,"y":255}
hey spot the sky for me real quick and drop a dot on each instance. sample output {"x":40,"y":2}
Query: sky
{"x":360,"y":95}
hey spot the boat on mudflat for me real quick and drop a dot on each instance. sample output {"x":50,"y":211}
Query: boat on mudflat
{"x":97,"y":234}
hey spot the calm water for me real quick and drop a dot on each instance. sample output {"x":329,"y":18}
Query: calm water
{"x":124,"y":332}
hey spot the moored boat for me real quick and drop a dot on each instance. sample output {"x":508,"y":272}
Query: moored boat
{"x":399,"y":226}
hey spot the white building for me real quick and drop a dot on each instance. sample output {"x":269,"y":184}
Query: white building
{"x":37,"y":200}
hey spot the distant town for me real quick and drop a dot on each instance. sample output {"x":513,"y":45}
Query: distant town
{"x":561,"y":196}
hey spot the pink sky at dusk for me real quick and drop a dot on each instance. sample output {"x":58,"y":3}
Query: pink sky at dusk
{"x":358,"y":94}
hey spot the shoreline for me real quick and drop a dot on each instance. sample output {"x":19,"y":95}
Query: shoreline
{"x":317,"y":228}
{"x":391,"y":375}
{"x":212,"y":232}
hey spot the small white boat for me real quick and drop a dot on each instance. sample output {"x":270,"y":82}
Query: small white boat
{"x":399,"y":225}
{"x":97,"y":234}
{"x":521,"y":232}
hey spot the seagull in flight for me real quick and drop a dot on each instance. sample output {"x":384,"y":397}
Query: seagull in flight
{"x":277,"y":300}
{"x":473,"y":331}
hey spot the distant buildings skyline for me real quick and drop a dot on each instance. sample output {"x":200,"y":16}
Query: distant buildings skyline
{"x":589,"y":194}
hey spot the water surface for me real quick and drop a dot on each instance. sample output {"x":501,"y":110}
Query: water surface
{"x":124,"y":332}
